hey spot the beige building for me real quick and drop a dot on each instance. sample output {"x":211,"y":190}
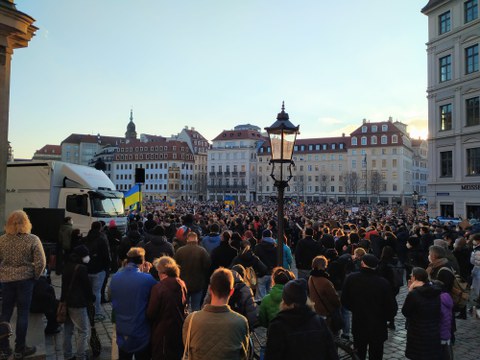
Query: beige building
{"x":453,"y":108}
{"x":48,"y":152}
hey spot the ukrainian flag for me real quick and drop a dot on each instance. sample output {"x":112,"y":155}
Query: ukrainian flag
{"x":133,"y":196}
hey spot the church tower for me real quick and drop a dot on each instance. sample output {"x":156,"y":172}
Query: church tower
{"x":131,"y":134}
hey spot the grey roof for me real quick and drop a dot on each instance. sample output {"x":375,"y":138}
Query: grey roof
{"x":432,"y":4}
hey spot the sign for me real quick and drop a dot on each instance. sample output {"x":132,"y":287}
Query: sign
{"x":443,"y":194}
{"x":354,"y":209}
{"x":471,"y":187}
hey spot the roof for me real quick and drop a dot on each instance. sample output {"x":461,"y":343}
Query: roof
{"x":50,"y":149}
{"x":99,"y":139}
{"x":369,"y":133}
{"x":432,"y":4}
{"x":239,"y":135}
{"x":345,"y":140}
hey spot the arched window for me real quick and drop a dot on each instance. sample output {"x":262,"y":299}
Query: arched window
{"x":354,"y":141}
{"x":384,"y":139}
{"x":364,"y":140}
{"x":374,"y":140}
{"x":394,"y":139}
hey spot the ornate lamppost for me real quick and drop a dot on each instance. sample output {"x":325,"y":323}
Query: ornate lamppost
{"x":415,"y":201}
{"x":282,"y":135}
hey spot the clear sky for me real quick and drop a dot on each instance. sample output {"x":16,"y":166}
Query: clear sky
{"x":214,"y":64}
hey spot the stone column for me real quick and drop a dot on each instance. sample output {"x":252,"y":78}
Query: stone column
{"x":16,"y":30}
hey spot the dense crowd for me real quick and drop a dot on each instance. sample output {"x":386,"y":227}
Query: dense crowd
{"x":197,"y":278}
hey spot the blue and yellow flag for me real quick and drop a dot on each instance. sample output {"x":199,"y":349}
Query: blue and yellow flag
{"x":133,"y":196}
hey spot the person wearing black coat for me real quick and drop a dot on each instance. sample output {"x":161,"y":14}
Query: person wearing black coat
{"x":297,"y":332}
{"x":307,"y":249}
{"x":247,"y":258}
{"x":77,"y":294}
{"x":157,"y":244}
{"x":422,"y":309}
{"x":223,"y":254}
{"x":370,"y":299}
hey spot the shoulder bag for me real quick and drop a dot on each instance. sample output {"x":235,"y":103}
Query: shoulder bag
{"x":335,"y":316}
{"x":186,"y":350}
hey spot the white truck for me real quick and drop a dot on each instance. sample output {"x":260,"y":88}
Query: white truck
{"x":84,"y":193}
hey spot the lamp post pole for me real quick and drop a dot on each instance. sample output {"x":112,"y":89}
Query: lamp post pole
{"x":282,"y":135}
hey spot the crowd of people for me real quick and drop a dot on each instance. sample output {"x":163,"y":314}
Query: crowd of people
{"x":198,"y":278}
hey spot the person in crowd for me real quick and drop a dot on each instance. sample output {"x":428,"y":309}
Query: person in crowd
{"x":307,"y":248}
{"x":437,"y":258}
{"x":452,"y":260}
{"x":77,"y":294}
{"x":217,"y":332}
{"x":247,"y":259}
{"x":150,"y":223}
{"x":130,"y":291}
{"x":99,"y":263}
{"x":236,"y":241}
{"x":475,"y":261}
{"x":287,"y":254}
{"x":422,"y":309}
{"x":64,"y":243}
{"x":114,"y":237}
{"x":321,"y":290}
{"x":297,"y":332}
{"x":131,"y":239}
{"x":76,"y":238}
{"x":22,"y":260}
{"x":415,"y":256}
{"x":270,"y":305}
{"x":242,"y":300}
{"x":157,"y":244}
{"x":370,"y":299}
{"x":44,"y":301}
{"x":194,"y":263}
{"x":392,"y":270}
{"x":212,"y":240}
{"x":223,"y":254}
{"x":266,"y":251}
{"x":462,"y":253}
{"x":167,"y":310}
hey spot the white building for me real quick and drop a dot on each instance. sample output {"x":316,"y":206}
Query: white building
{"x":232,"y":164}
{"x":453,"y":107}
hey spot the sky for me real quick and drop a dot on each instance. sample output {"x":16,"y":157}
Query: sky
{"x":215,"y":64}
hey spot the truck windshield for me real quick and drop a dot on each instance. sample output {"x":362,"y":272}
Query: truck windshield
{"x":106,"y":207}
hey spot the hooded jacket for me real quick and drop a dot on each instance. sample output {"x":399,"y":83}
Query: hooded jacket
{"x":299,"y":333}
{"x":422,"y":310}
{"x":210,"y":242}
{"x":156,"y":247}
{"x":266,"y":250}
{"x":270,"y":305}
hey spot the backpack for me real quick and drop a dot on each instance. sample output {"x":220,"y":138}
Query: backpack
{"x":398,"y":274}
{"x":235,"y":302}
{"x":460,"y":290}
{"x":250,"y":277}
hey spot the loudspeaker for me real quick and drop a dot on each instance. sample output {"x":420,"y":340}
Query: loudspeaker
{"x":139,"y":175}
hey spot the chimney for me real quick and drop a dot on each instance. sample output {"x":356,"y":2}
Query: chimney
{"x":364,"y":121}
{"x":343,"y":134}
{"x":390,"y":119}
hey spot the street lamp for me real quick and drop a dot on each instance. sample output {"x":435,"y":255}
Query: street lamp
{"x":415,"y":201}
{"x":282,"y":135}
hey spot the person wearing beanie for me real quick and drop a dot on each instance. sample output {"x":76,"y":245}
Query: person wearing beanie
{"x":370,"y":298}
{"x":270,"y":305}
{"x":297,"y":332}
{"x":77,"y":293}
{"x":132,"y":326}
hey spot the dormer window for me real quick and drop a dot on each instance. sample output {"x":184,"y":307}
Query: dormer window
{"x":385,"y":127}
{"x":374,"y":128}
{"x":333,"y":146}
{"x":364,"y":129}
{"x":373,"y":140}
{"x":384,"y":139}
{"x":354,"y":141}
{"x":364,"y":140}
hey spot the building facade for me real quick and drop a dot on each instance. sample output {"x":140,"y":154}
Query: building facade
{"x":231,"y":164}
{"x":453,"y":108}
{"x":81,"y":148}
{"x":419,"y":167}
{"x":48,"y":152}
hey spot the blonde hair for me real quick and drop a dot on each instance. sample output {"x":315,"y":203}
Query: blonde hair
{"x":167,"y":265}
{"x":359,"y":252}
{"x":319,"y":262}
{"x":18,"y":223}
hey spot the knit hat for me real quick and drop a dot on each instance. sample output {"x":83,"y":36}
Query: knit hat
{"x":370,"y":260}
{"x":81,"y":251}
{"x":295,"y":292}
{"x":441,"y":243}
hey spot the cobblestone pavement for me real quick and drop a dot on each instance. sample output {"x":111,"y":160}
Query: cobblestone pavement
{"x":466,"y":347}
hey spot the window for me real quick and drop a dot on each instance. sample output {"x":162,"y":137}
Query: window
{"x":473,"y":161}
{"x":384,"y":139}
{"x":364,"y":129}
{"x":444,"y":24}
{"x":394,"y":139}
{"x":470,"y":9}
{"x":373,"y":140}
{"x":445,"y":68}
{"x":446,"y":117}
{"x":472,"y":110}
{"x":471,"y":59}
{"x":354,"y":141}
{"x":394,"y":187}
{"x":364,"y":140}
{"x":374,"y":128}
{"x":394,"y":163}
{"x":446,"y":164}
{"x":384,"y":127}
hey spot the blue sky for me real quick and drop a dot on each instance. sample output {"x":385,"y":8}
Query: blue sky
{"x":214,"y":64}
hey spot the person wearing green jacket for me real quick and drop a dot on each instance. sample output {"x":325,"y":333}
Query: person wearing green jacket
{"x":270,"y":305}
